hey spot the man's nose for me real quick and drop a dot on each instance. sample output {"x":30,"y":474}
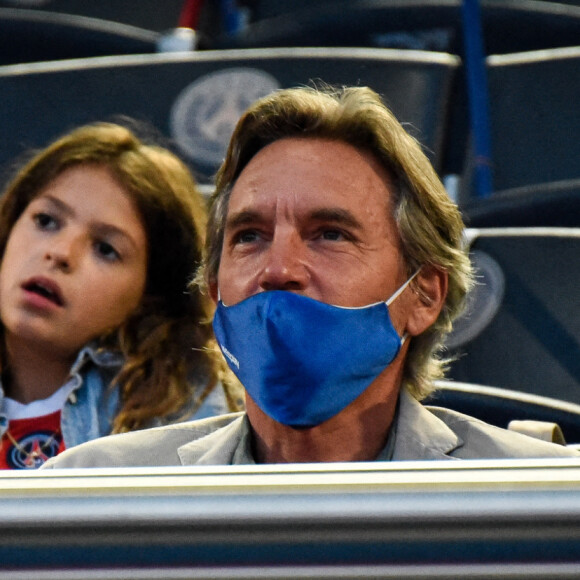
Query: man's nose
{"x":285,"y":266}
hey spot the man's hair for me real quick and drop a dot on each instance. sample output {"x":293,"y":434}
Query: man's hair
{"x":429,"y":223}
{"x":167,"y":338}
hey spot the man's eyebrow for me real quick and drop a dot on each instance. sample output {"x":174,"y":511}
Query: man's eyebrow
{"x":336,"y":215}
{"x":242,"y":218}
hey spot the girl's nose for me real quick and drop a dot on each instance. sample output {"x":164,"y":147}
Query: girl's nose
{"x":62,"y":252}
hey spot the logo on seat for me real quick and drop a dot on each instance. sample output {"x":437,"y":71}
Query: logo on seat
{"x":204,"y":114}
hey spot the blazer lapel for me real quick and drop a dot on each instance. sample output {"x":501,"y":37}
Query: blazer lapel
{"x":216,"y":448}
{"x":420,"y":434}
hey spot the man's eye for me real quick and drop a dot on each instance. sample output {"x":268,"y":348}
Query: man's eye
{"x":246,"y":237}
{"x":45,"y":221}
{"x":107,"y":251}
{"x":332,"y":235}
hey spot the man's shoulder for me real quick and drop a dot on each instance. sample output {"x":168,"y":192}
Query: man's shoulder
{"x":430,"y":432}
{"x":157,"y":446}
{"x":480,"y":440}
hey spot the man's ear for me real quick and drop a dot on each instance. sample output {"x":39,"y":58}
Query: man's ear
{"x":429,"y":289}
{"x":213,"y":290}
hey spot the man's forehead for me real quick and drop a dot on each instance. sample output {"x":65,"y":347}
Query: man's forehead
{"x":309,"y":177}
{"x":348,"y":207}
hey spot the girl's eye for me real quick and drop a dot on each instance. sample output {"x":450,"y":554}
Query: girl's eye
{"x":107,"y":251}
{"x":45,"y":221}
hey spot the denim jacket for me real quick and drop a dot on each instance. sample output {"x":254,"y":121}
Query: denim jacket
{"x":91,"y":406}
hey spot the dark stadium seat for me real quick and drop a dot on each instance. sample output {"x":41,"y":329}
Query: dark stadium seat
{"x":555,"y":204}
{"x":262,"y":9}
{"x":521,"y":330}
{"x":499,"y":406}
{"x":195,"y":99}
{"x":147,"y":14}
{"x":33,"y":35}
{"x":508,"y":25}
{"x":535,"y":124}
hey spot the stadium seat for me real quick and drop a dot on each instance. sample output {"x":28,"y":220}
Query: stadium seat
{"x":500,"y":407}
{"x":508,"y":25}
{"x":147,"y":14}
{"x":34,"y":35}
{"x":534,"y":116}
{"x":555,"y":204}
{"x":195,"y":99}
{"x":521,"y":329}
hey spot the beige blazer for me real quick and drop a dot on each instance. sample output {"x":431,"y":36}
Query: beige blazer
{"x":421,"y":433}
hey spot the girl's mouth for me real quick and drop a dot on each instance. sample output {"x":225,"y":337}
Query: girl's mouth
{"x":45,"y":289}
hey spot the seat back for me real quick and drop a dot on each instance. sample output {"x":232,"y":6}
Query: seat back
{"x":555,"y":204}
{"x":150,"y":14}
{"x":195,"y":99}
{"x":535,"y":124}
{"x":521,"y":330}
{"x":508,"y":25}
{"x":34,"y":35}
{"x":502,"y":406}
{"x":433,"y":25}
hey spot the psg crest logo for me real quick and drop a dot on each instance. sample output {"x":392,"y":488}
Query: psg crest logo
{"x":33,"y":450}
{"x":205,"y":113}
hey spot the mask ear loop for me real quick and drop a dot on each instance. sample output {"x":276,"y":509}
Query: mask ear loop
{"x":219,"y":297}
{"x":397,"y":294}
{"x":402,"y":288}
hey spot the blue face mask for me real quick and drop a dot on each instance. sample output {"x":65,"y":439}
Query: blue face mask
{"x":303,"y":361}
